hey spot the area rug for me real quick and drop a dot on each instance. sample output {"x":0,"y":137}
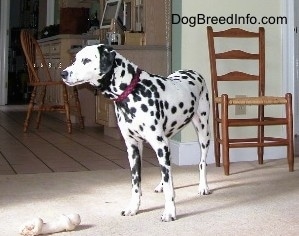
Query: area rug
{"x":253,"y":200}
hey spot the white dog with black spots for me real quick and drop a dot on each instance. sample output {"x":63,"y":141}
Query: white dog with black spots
{"x":149,"y":108}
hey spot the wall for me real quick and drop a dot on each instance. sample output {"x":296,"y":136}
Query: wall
{"x":194,"y":47}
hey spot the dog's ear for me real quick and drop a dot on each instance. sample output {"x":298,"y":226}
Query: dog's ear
{"x":107,"y":56}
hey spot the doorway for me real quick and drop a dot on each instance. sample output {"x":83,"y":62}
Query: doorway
{"x":23,"y":14}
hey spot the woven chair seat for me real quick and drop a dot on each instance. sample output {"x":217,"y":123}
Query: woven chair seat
{"x":264,"y":100}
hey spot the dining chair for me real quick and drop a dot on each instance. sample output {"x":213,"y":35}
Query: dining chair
{"x":229,"y":127}
{"x":48,"y":94}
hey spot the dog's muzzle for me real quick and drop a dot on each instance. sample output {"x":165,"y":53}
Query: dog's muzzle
{"x":66,"y":79}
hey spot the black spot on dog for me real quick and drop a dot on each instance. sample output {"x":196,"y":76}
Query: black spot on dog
{"x":165,"y":123}
{"x":162,"y":86}
{"x":141,"y":128}
{"x":136,"y":98}
{"x":160,"y":152}
{"x":131,"y":69}
{"x":123,"y":86}
{"x":133,"y":111}
{"x":173,"y":110}
{"x":158,"y":115}
{"x":118,"y":61}
{"x":147,"y":83}
{"x":151,"y":102}
{"x":131,"y":132}
{"x":165,"y":172}
{"x":85,"y":61}
{"x":207,"y":96}
{"x":166,"y":105}
{"x":144,"y":108}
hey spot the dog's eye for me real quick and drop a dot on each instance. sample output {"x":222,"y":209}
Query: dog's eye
{"x":85,"y":61}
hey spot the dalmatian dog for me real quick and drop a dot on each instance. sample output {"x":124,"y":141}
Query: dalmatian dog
{"x":148,"y":108}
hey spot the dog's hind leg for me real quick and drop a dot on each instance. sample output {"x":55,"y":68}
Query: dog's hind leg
{"x":134,"y":150}
{"x":161,"y":147}
{"x":201,"y":123}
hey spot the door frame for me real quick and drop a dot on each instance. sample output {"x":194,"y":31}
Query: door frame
{"x":4,"y":43}
{"x":288,"y":45}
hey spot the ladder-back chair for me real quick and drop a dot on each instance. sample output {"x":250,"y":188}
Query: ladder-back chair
{"x":224,"y":120}
{"x":47,"y":94}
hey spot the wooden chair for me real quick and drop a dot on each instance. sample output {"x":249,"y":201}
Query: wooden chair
{"x":223,"y":119}
{"x":43,"y":86}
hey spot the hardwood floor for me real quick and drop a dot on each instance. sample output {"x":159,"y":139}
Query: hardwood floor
{"x":52,"y":149}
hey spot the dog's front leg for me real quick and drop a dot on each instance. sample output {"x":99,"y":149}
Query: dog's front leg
{"x":134,"y":156}
{"x":163,"y":154}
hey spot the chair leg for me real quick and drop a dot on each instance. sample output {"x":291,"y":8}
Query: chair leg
{"x":30,"y":109}
{"x":217,"y":137}
{"x":43,"y":96}
{"x":67,"y":109}
{"x":289,"y":129}
{"x":217,"y":151}
{"x":78,"y":108}
{"x":216,"y":141}
{"x":225,"y":133}
{"x":261,"y":135}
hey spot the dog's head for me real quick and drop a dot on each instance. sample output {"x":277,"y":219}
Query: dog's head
{"x":91,"y":64}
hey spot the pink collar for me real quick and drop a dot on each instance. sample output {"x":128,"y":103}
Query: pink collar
{"x":129,"y":89}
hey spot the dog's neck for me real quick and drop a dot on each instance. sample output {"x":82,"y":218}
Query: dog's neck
{"x":130,"y":88}
{"x":121,"y":80}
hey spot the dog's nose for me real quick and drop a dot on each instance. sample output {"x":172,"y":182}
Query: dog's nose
{"x":64,"y":74}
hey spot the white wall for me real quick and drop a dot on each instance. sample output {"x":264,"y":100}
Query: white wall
{"x":194,"y":51}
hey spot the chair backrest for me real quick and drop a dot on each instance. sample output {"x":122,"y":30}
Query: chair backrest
{"x":236,"y":54}
{"x":37,"y":68}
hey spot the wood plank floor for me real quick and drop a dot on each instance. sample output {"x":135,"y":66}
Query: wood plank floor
{"x":52,"y":149}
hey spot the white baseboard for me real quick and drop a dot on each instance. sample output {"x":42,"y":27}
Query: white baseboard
{"x":188,"y":153}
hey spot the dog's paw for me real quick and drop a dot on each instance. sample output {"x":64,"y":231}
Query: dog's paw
{"x":169,"y":213}
{"x":159,"y":188}
{"x":168,"y":216}
{"x":204,"y":190}
{"x":131,"y":210}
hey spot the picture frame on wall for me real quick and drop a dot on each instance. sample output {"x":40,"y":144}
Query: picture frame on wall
{"x":111,"y":11}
